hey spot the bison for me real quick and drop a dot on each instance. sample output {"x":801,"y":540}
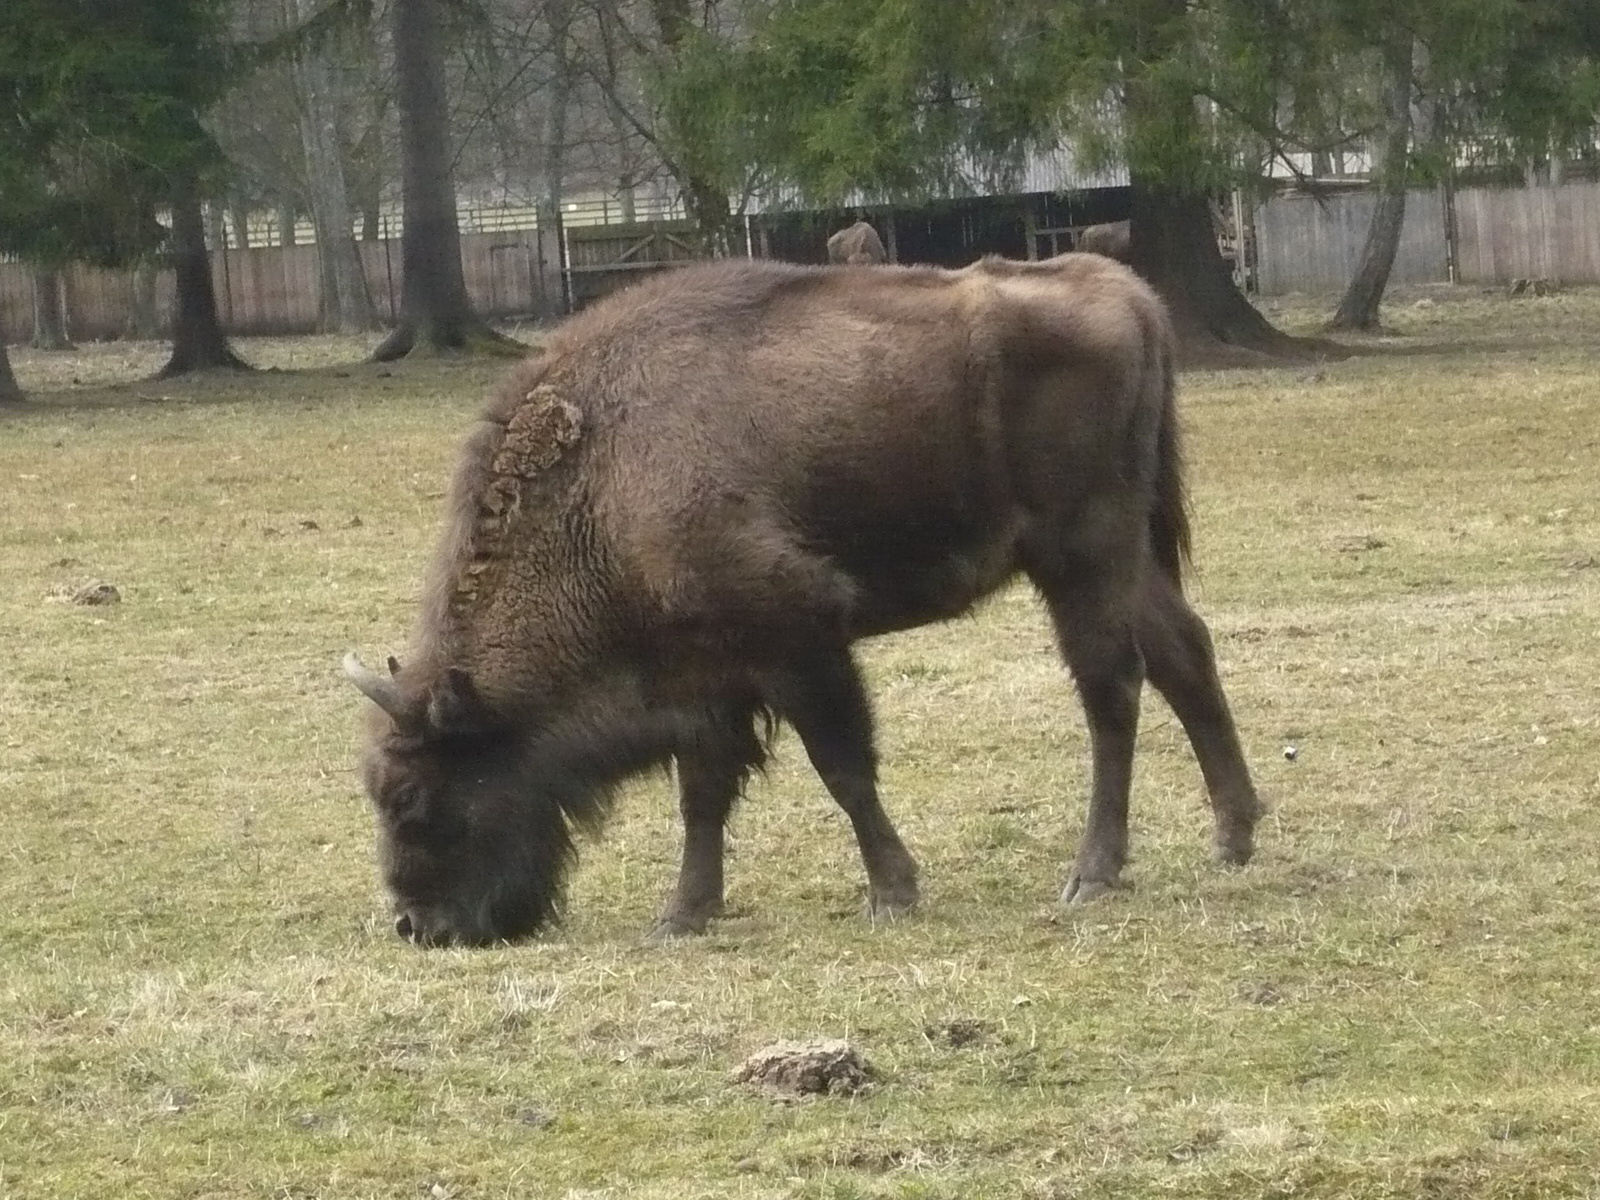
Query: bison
{"x":667,"y":533}
{"x":1113,"y":239}
{"x":856,"y":245}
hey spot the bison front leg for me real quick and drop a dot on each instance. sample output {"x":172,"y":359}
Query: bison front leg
{"x":826,"y":703}
{"x":711,"y":775}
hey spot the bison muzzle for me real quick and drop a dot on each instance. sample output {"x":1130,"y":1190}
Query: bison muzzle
{"x":667,"y":533}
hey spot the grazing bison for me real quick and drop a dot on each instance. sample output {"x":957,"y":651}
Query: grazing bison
{"x":1111,"y":239}
{"x":666,"y":534}
{"x":856,"y":245}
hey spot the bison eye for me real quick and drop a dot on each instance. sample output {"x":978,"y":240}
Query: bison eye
{"x":418,"y":816}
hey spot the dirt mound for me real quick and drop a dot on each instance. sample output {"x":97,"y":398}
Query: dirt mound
{"x":826,"y":1067}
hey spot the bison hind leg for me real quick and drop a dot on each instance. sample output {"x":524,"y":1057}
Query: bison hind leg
{"x":1183,"y":668}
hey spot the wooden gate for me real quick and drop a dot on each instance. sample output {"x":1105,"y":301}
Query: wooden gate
{"x":603,"y":258}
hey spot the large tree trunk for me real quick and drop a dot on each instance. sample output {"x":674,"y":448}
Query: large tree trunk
{"x":346,"y":305}
{"x":49,"y":321}
{"x":1174,"y":246}
{"x":197,"y":338}
{"x":10,"y":392}
{"x":435,"y":313}
{"x":553,"y":159}
{"x":1172,"y":241}
{"x":1358,"y":309}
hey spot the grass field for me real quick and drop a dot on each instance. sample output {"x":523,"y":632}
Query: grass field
{"x":1399,"y":555}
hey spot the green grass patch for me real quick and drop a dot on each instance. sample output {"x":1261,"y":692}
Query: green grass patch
{"x":1399,"y":555}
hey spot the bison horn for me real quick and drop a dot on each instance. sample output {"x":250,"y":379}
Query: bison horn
{"x":380,"y":689}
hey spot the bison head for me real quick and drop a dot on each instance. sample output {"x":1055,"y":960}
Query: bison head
{"x":471,"y":848}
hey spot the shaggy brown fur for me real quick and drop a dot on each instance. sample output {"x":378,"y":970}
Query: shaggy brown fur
{"x":856,"y":245}
{"x":669,"y":530}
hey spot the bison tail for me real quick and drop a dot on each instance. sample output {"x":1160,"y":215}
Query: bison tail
{"x":1169,"y":517}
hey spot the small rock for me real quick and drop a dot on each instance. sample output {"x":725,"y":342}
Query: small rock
{"x":309,"y":526}
{"x":97,"y":592}
{"x":826,"y":1067}
{"x":353,"y":523}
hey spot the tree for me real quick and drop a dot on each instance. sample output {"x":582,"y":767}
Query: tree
{"x":346,"y":304}
{"x":894,"y":99}
{"x":1358,"y":309}
{"x":1517,"y":78}
{"x":97,"y":112}
{"x":435,"y":313}
{"x":198,"y":342}
{"x":49,"y":321}
{"x":10,"y":390}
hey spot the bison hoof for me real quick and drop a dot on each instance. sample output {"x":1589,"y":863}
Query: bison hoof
{"x":687,"y":921}
{"x":891,"y":904}
{"x":1086,"y":891}
{"x":1232,"y":850}
{"x":670,"y":929}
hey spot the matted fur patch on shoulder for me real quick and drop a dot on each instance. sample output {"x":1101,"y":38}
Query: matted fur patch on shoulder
{"x":542,"y":428}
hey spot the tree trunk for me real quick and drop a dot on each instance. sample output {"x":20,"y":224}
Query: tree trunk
{"x":49,"y":321}
{"x":1174,"y":246}
{"x":1358,"y":308}
{"x":144,"y":317}
{"x":553,"y":160}
{"x":9,"y":391}
{"x":346,"y":305}
{"x":435,"y":313}
{"x":706,"y":201}
{"x":197,"y":338}
{"x":1172,"y":240}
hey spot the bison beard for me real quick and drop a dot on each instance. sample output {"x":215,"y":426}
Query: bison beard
{"x":667,"y":533}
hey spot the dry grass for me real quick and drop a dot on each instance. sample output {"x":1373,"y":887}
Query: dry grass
{"x":1400,"y":556}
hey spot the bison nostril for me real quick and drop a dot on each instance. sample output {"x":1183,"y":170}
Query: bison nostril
{"x":403,"y":926}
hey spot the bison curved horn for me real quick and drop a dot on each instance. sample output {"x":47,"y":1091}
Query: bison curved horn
{"x":382,"y":690}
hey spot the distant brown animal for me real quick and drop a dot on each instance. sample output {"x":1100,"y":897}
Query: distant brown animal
{"x":1112,"y":239}
{"x":667,"y":533}
{"x":856,"y":245}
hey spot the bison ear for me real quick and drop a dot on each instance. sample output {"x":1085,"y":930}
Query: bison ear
{"x":454,"y":705}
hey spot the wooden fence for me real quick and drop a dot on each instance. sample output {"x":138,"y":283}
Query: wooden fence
{"x":1499,"y":234}
{"x":275,"y":289}
{"x":1302,"y":245}
{"x":1529,"y":233}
